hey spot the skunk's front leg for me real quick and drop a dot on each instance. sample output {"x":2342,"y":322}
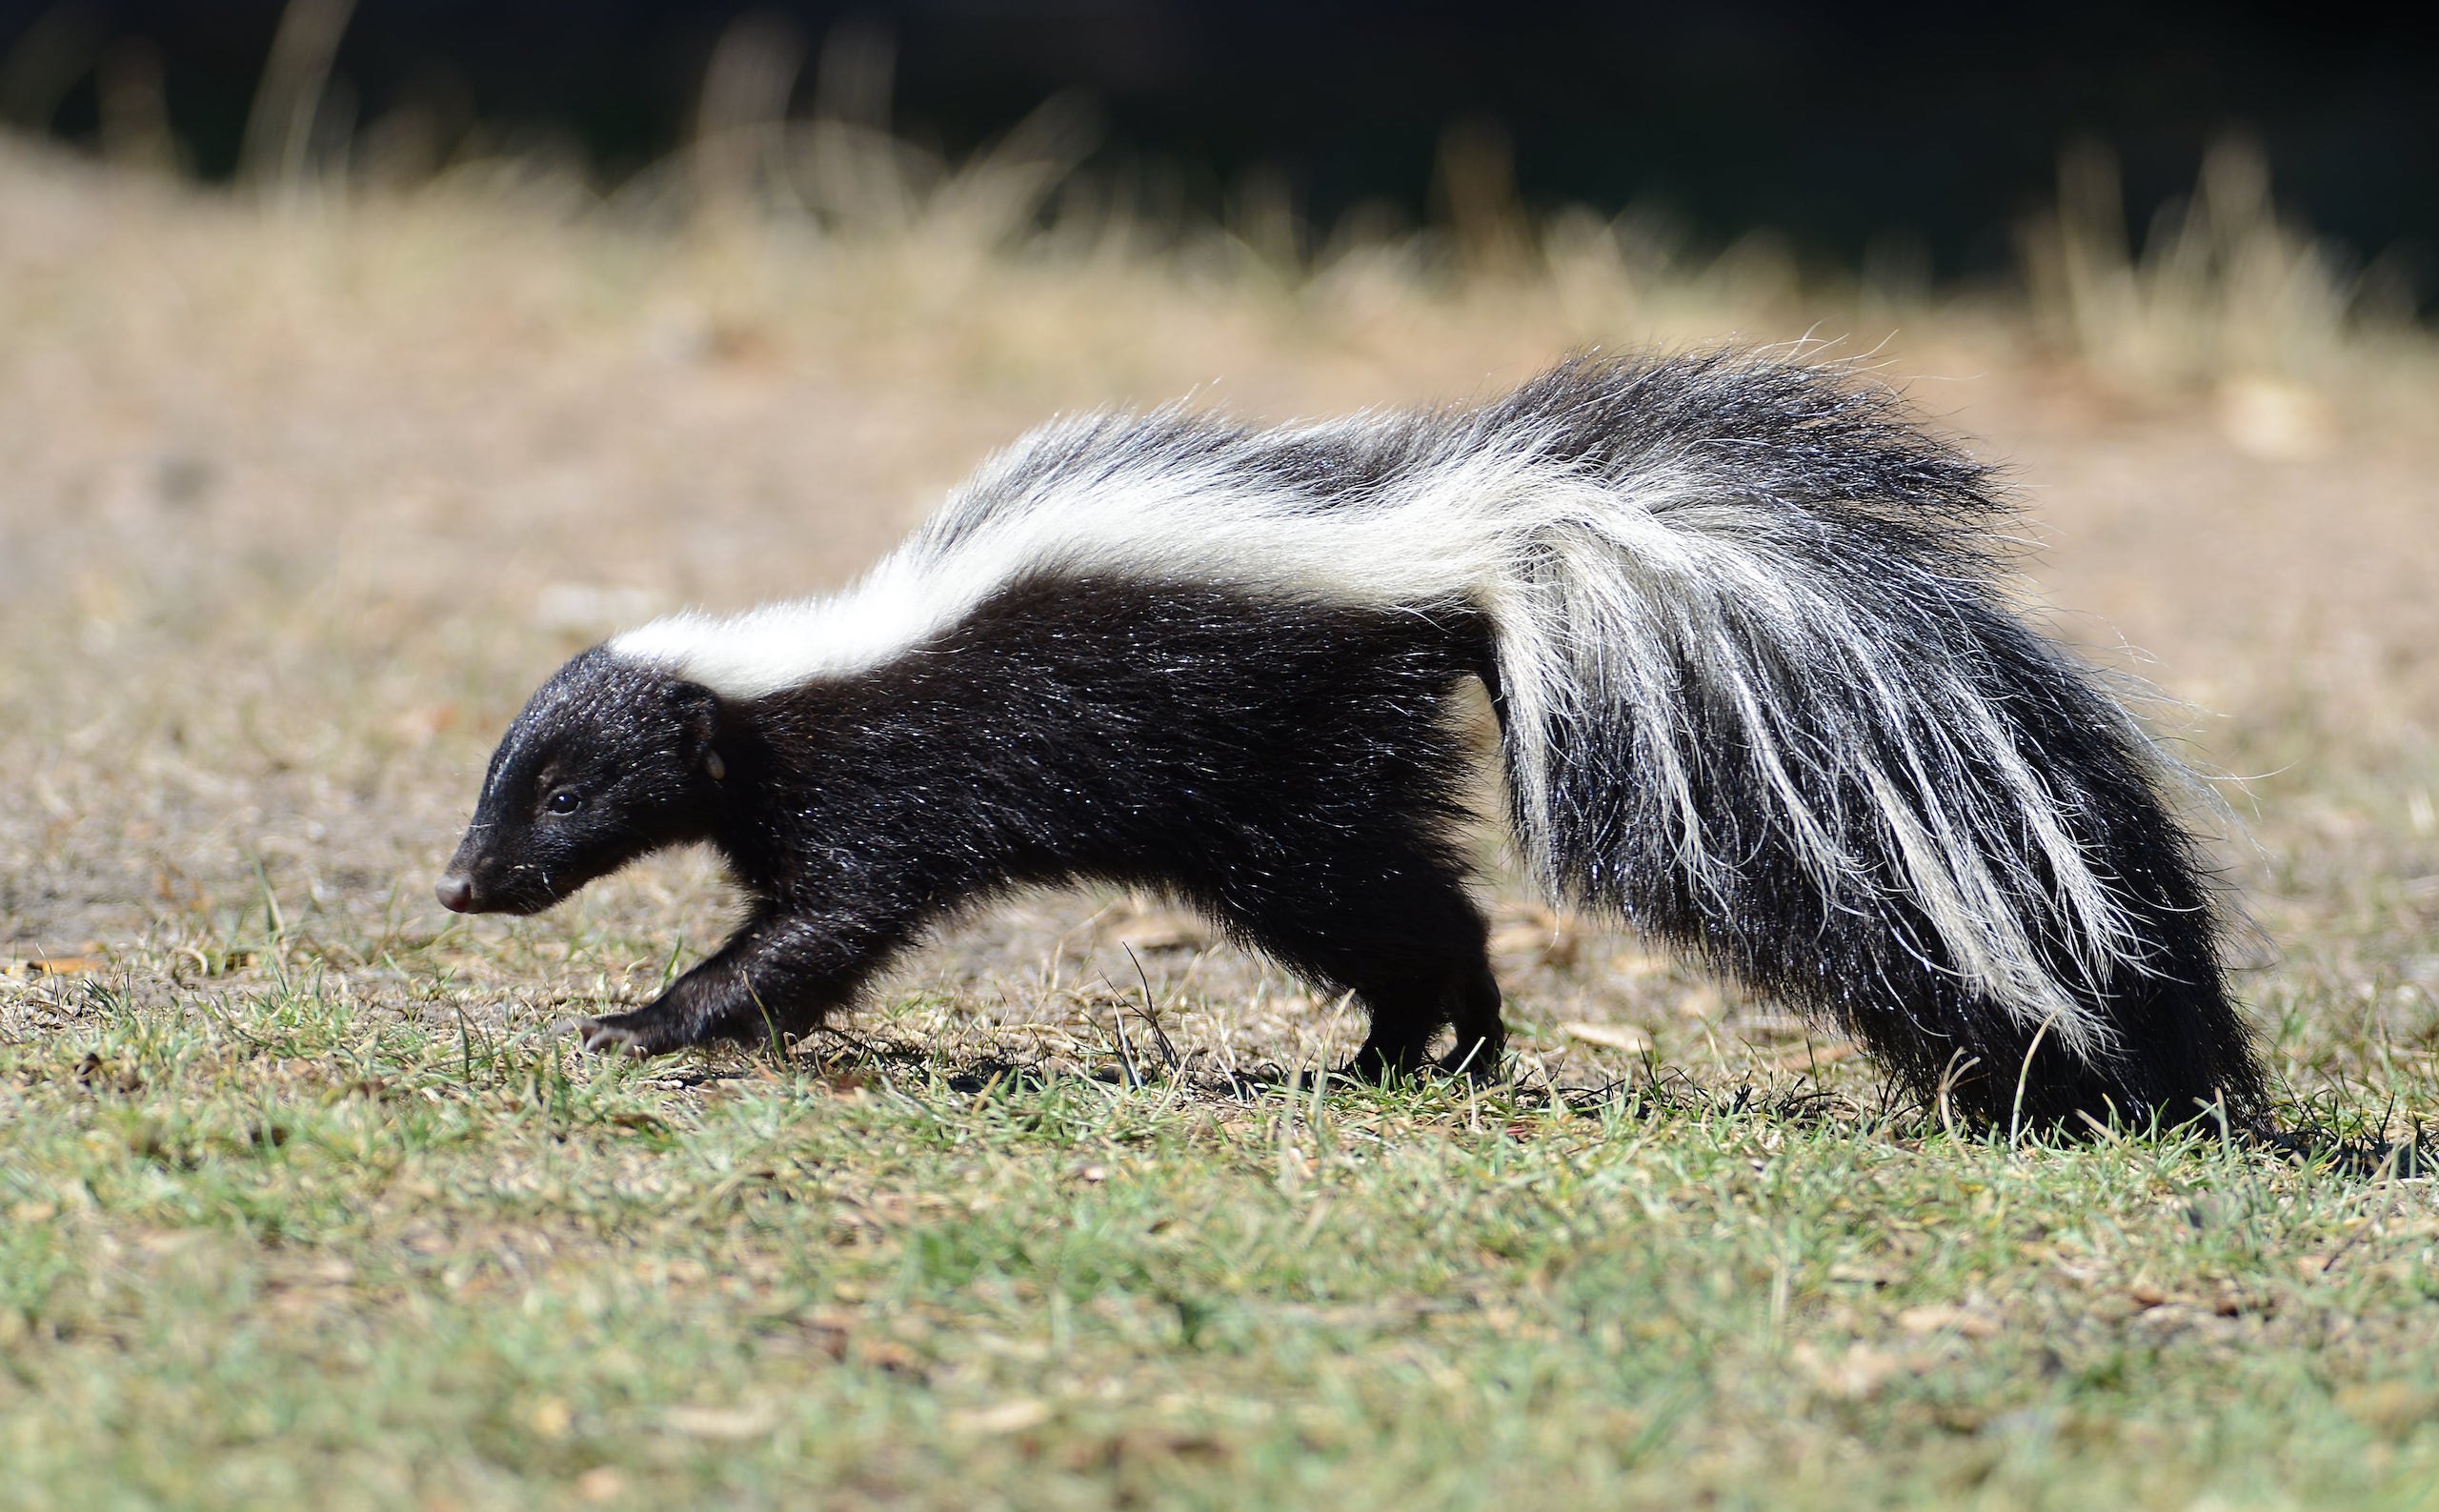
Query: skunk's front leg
{"x":780,"y":973}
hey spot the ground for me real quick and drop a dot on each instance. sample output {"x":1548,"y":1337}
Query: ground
{"x":302,"y":1204}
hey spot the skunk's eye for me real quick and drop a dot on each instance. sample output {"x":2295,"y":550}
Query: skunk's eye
{"x":566,"y":801}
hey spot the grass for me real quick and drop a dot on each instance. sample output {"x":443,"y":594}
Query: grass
{"x":299,"y":1205}
{"x":295,"y":1251}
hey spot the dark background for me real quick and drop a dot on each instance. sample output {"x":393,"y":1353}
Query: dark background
{"x":1834,"y":125}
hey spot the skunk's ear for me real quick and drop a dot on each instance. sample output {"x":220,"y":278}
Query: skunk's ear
{"x":698,"y":712}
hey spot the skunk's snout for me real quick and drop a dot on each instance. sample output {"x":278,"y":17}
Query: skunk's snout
{"x":455,"y":892}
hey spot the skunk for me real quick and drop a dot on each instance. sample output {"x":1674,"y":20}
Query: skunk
{"x":1759,"y":688}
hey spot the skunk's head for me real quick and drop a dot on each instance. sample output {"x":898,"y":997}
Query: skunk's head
{"x":609,"y":761}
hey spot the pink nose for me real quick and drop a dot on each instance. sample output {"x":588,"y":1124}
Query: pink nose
{"x":455,"y":892}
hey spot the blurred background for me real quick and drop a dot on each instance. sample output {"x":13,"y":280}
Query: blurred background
{"x":1901,"y":139}
{"x":359,"y":361}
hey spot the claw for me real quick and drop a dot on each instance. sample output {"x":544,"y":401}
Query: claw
{"x":1374,"y":1065}
{"x":1480,"y":1061}
{"x":1472,"y":1065}
{"x":601,"y":1037}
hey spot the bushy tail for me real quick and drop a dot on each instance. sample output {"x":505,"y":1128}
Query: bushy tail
{"x":1761,"y":689}
{"x":1763,"y":694}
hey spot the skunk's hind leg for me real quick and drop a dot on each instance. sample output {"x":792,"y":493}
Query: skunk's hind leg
{"x":1400,"y":933}
{"x":1406,"y":1016}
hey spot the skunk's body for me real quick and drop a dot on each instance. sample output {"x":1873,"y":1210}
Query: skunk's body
{"x":1756,"y":689}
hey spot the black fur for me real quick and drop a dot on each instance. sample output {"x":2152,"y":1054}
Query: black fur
{"x":1880,"y":973}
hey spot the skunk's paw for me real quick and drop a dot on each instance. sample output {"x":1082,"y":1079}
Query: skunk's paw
{"x":1383,"y":1065}
{"x":1481,"y":1062}
{"x":615,"y":1034}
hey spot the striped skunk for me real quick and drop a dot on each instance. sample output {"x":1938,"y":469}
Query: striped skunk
{"x":1759,"y":689}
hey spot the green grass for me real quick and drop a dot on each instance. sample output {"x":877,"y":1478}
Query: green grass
{"x":264,"y":1248}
